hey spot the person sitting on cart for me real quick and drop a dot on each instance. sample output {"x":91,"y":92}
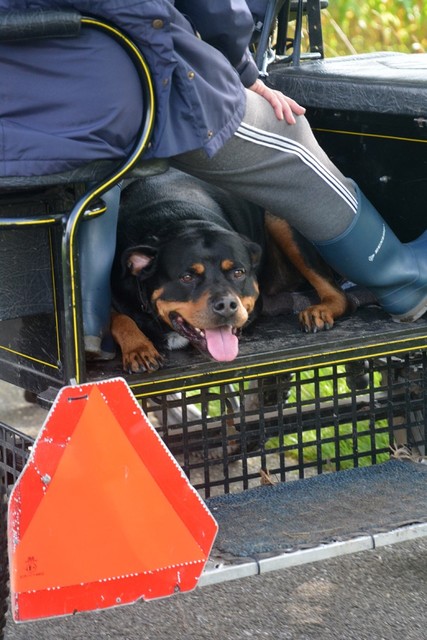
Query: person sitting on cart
{"x":215,"y":119}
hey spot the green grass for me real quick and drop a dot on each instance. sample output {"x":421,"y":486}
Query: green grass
{"x":351,"y":26}
{"x":320,"y":445}
{"x":360,"y":438}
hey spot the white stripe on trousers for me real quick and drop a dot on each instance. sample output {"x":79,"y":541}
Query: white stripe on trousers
{"x":286,"y":145}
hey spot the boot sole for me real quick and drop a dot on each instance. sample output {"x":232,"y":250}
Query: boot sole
{"x":413,"y":314}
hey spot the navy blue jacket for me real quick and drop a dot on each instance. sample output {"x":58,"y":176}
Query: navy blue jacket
{"x":65,"y":102}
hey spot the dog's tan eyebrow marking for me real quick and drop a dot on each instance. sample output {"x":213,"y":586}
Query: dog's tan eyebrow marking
{"x":198,"y":268}
{"x":157,"y":294}
{"x":226,"y":265}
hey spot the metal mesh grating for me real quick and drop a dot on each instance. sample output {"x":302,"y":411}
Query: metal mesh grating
{"x":14,"y":451}
{"x":230,"y":437}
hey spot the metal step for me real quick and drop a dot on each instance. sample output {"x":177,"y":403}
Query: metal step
{"x":287,"y":524}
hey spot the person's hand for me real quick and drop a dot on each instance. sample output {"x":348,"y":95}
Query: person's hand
{"x":284,"y":107}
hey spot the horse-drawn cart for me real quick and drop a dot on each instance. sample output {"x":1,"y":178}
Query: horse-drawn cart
{"x":306,"y":446}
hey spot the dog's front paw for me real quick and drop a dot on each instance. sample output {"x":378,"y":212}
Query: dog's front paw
{"x":322,"y":316}
{"x":138,"y":352}
{"x":141,"y":357}
{"x":319,"y":317}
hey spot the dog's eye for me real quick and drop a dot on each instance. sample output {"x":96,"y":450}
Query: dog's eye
{"x":238,"y":273}
{"x":186,"y":278}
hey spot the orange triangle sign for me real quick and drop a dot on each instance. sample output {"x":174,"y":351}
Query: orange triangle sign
{"x":102,"y":514}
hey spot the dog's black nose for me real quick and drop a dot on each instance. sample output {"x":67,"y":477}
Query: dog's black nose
{"x":226,"y":306}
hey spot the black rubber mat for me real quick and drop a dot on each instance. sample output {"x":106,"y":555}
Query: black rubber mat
{"x":335,"y":506}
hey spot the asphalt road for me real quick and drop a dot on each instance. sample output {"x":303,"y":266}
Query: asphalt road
{"x":373,"y":595}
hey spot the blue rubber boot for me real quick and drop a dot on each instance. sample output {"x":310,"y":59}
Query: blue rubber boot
{"x":97,"y":244}
{"x":368,"y":253}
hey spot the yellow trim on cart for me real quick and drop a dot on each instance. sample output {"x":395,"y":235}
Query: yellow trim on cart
{"x":368,"y":135}
{"x":24,"y":355}
{"x":55,"y":314}
{"x":286,"y":369}
{"x":54,"y":299}
{"x":27,"y":223}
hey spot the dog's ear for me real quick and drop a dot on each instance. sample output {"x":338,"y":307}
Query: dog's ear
{"x":255,"y":252}
{"x":140,"y":261}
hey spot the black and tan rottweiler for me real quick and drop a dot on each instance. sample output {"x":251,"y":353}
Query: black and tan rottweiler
{"x":190,"y":262}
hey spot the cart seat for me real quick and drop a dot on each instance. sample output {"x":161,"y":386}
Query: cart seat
{"x":89,"y":173}
{"x":384,"y":82}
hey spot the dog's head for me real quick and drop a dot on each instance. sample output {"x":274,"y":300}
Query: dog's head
{"x":201,"y":281}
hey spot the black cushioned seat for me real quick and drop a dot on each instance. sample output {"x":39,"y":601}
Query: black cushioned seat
{"x":385,"y":82}
{"x":88,"y":173}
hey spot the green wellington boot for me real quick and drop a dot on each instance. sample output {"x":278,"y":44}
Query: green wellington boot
{"x":368,"y":253}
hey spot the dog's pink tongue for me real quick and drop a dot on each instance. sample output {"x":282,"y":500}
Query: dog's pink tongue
{"x":222,"y":344}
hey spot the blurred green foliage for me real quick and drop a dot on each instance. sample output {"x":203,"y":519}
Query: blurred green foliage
{"x":362,"y":438}
{"x":351,"y":26}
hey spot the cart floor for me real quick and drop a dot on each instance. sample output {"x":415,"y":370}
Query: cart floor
{"x":275,"y":344}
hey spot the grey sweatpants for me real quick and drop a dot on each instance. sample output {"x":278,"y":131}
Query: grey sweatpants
{"x":282,"y":168}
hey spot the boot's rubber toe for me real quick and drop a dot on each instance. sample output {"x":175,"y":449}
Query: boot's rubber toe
{"x":418,"y":290}
{"x":414,"y":314}
{"x":94,"y":351}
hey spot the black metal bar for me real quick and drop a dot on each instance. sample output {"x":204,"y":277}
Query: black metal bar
{"x":296,"y":53}
{"x":314,"y":24}
{"x":292,"y":10}
{"x":272,"y":10}
{"x":282,"y":28}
